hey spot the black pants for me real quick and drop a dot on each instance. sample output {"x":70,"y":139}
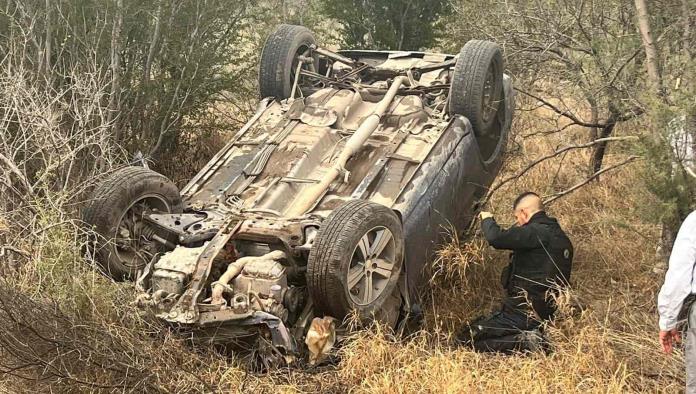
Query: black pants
{"x":505,"y":331}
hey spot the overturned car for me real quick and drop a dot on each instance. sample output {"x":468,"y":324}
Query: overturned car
{"x":328,"y":202}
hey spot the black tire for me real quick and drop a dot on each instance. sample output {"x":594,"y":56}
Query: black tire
{"x":478,"y":73}
{"x":111,"y":200}
{"x":279,"y":60}
{"x":334,"y":253}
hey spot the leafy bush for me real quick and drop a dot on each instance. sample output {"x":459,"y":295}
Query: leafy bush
{"x":165,"y":61}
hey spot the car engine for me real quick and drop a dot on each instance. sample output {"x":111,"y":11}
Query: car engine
{"x":266,"y":282}
{"x":245,"y":285}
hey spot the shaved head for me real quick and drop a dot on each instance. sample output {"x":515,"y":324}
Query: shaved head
{"x":526,"y":205}
{"x":529,"y":200}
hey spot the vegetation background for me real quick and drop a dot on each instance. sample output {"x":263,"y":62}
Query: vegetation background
{"x":604,"y":90}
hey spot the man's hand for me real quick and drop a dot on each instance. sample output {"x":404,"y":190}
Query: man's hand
{"x":485,"y":215}
{"x":668,"y":339}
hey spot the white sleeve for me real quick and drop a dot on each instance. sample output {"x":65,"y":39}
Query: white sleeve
{"x":679,"y":277}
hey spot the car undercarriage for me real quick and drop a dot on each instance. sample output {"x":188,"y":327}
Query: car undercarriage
{"x":327,"y":203}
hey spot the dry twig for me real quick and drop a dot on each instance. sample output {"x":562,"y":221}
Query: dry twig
{"x":542,"y":159}
{"x":553,"y":197}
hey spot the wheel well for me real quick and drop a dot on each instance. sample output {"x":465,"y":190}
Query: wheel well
{"x":399,"y":215}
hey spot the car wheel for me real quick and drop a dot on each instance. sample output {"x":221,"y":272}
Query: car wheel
{"x":476,"y":91}
{"x":123,"y":241}
{"x":280,"y":57}
{"x":356,"y":261}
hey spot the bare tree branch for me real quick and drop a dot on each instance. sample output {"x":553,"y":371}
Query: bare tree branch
{"x":13,"y":249}
{"x":567,"y":114}
{"x":557,"y":152}
{"x":17,"y":172}
{"x":553,"y":197}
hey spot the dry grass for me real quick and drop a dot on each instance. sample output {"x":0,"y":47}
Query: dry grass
{"x":610,"y":346}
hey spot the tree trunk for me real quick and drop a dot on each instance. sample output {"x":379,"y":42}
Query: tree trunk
{"x":594,"y":114}
{"x":153,"y":44}
{"x":47,"y":44}
{"x":114,"y":98}
{"x":651,"y":57}
{"x":686,"y":32}
{"x":141,"y":98}
{"x":594,"y":118}
{"x":601,"y":148}
{"x":402,"y":26}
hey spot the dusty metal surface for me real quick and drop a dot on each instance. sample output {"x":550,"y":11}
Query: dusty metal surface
{"x":456,"y":166}
{"x":307,"y":148}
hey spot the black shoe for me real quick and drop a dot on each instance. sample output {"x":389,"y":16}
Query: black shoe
{"x":466,"y":336}
{"x":534,"y":341}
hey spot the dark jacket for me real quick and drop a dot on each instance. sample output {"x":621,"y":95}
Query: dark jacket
{"x":540,"y":263}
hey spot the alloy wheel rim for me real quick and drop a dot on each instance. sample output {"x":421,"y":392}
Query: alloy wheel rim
{"x":372,"y":265}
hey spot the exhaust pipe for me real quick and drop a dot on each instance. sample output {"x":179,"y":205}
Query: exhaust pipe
{"x":309,"y":196}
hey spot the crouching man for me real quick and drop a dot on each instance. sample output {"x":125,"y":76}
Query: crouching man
{"x":539,"y":268}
